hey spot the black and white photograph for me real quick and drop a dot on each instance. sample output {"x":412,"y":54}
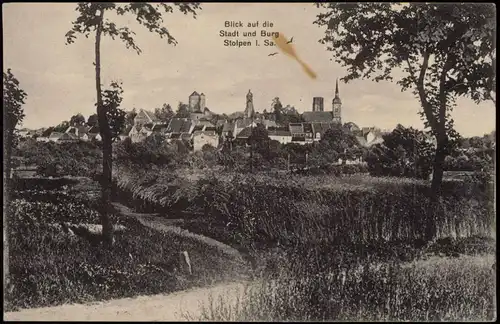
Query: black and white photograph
{"x":236,"y":162}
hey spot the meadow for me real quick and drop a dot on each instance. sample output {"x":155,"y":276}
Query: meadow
{"x":324,"y":247}
{"x":339,"y":248}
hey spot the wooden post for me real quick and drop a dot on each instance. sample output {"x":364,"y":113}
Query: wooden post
{"x":288,"y":163}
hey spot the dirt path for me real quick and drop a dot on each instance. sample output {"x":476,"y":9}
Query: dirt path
{"x":159,"y":223}
{"x":173,"y":307}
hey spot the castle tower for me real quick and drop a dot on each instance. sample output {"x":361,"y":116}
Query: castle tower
{"x":194,"y":102}
{"x":337,"y":105}
{"x":318,"y":104}
{"x":203,"y":102}
{"x":249,"y":111}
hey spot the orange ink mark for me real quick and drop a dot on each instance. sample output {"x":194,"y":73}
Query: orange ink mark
{"x":287,"y":47}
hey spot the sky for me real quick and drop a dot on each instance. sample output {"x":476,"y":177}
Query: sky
{"x":60,"y":79}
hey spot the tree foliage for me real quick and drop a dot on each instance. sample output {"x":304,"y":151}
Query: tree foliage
{"x":405,"y":152}
{"x":439,"y":51}
{"x":277,"y":108}
{"x":13,"y":113}
{"x":61,"y":127}
{"x":336,"y":142}
{"x":13,"y":99}
{"x":149,"y":15}
{"x":93,"y":120}
{"x":112,"y":99}
{"x":182,"y":111}
{"x":77,"y":120}
{"x":165,"y":113}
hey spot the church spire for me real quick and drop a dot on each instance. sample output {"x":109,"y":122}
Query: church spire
{"x":337,"y":104}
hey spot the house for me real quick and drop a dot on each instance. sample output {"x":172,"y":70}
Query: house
{"x":280,"y":134}
{"x":352,"y":127}
{"x":318,"y":116}
{"x":319,"y":130}
{"x":94,"y":137}
{"x":201,"y":138}
{"x":144,"y":117}
{"x":139,"y":133}
{"x":79,"y":131}
{"x":268,"y":123}
{"x":23,"y":133}
{"x":227,"y":129}
{"x":43,"y":139}
{"x":62,"y":137}
{"x":309,"y":132}
{"x":179,"y":126}
{"x":205,"y":123}
{"x":297,"y":132}
{"x":159,"y":129}
{"x":243,"y":135}
{"x":241,"y":124}
{"x":369,"y":136}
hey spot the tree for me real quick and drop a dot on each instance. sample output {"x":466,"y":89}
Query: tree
{"x":337,"y":142}
{"x":93,"y":120}
{"x":405,"y":152}
{"x":444,"y":51}
{"x":13,"y":114}
{"x":130,"y":116}
{"x":165,"y":113}
{"x":278,"y":110}
{"x":112,"y":99}
{"x":92,"y":19}
{"x":77,"y":120}
{"x":259,"y":140}
{"x":62,"y":127}
{"x":182,"y":111}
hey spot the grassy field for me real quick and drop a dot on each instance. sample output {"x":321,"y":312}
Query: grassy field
{"x":305,"y":231}
{"x":326,"y":247}
{"x":50,"y":267}
{"x":437,"y":289}
{"x":305,"y":209}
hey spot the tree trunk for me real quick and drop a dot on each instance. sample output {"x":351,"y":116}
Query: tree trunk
{"x":105,"y":131}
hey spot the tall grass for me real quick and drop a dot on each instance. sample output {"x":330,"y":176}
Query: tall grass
{"x":434,"y":290}
{"x":302,"y":210}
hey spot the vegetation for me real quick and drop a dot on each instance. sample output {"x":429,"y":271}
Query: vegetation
{"x":305,"y":209}
{"x":405,"y":152}
{"x":182,"y":111}
{"x":165,"y":113}
{"x":13,"y":99}
{"x":446,"y":289}
{"x":91,"y":19}
{"x":444,"y":50}
{"x":50,"y":266}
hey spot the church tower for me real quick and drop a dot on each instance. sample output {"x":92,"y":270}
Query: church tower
{"x":337,"y":105}
{"x":249,"y":111}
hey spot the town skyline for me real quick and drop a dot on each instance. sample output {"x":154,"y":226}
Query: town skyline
{"x":60,"y":79}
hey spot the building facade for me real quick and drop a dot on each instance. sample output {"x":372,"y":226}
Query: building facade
{"x":318,"y":104}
